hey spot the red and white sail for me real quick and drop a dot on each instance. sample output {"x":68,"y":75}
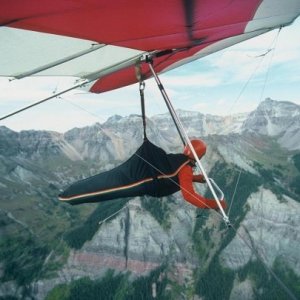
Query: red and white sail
{"x":102,"y":41}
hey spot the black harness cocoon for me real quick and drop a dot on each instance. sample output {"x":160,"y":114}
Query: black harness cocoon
{"x":149,"y":171}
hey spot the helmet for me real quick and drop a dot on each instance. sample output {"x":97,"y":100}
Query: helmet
{"x":199,"y":146}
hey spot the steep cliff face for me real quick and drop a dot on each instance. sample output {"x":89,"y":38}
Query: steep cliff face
{"x":135,"y":241}
{"x":271,"y":228}
{"x":256,"y":173}
{"x":273,"y":225}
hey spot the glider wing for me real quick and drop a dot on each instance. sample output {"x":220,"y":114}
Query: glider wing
{"x":101,"y":41}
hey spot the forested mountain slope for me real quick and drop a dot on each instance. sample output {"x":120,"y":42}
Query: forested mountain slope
{"x":153,"y":247}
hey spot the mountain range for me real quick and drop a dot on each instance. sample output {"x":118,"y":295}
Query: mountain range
{"x":162,"y":248}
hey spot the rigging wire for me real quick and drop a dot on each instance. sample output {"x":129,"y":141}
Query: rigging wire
{"x":271,"y":48}
{"x":47,"y":259}
{"x":235,"y":188}
{"x":262,"y":57}
{"x":246,"y":84}
{"x":275,"y":40}
{"x":260,"y":221}
{"x":82,"y":108}
{"x":45,"y":99}
{"x":255,"y":251}
{"x":263,"y":54}
{"x":125,"y":206}
{"x":173,"y":181}
{"x":251,"y":245}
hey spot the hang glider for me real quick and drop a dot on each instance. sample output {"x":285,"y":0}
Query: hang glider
{"x":100,"y":42}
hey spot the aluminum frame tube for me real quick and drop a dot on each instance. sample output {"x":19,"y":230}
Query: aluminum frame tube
{"x":183,"y":133}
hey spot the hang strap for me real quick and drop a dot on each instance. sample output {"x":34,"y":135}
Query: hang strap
{"x":142,"y":88}
{"x":139,"y":76}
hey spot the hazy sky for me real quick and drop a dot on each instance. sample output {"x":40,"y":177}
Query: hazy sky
{"x":234,"y":80}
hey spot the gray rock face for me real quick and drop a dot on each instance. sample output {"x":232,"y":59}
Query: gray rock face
{"x":272,"y":226}
{"x":135,"y":241}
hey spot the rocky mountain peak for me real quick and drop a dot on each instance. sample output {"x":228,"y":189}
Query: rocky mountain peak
{"x":114,"y":118}
{"x":277,"y":109}
{"x":279,"y":119}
